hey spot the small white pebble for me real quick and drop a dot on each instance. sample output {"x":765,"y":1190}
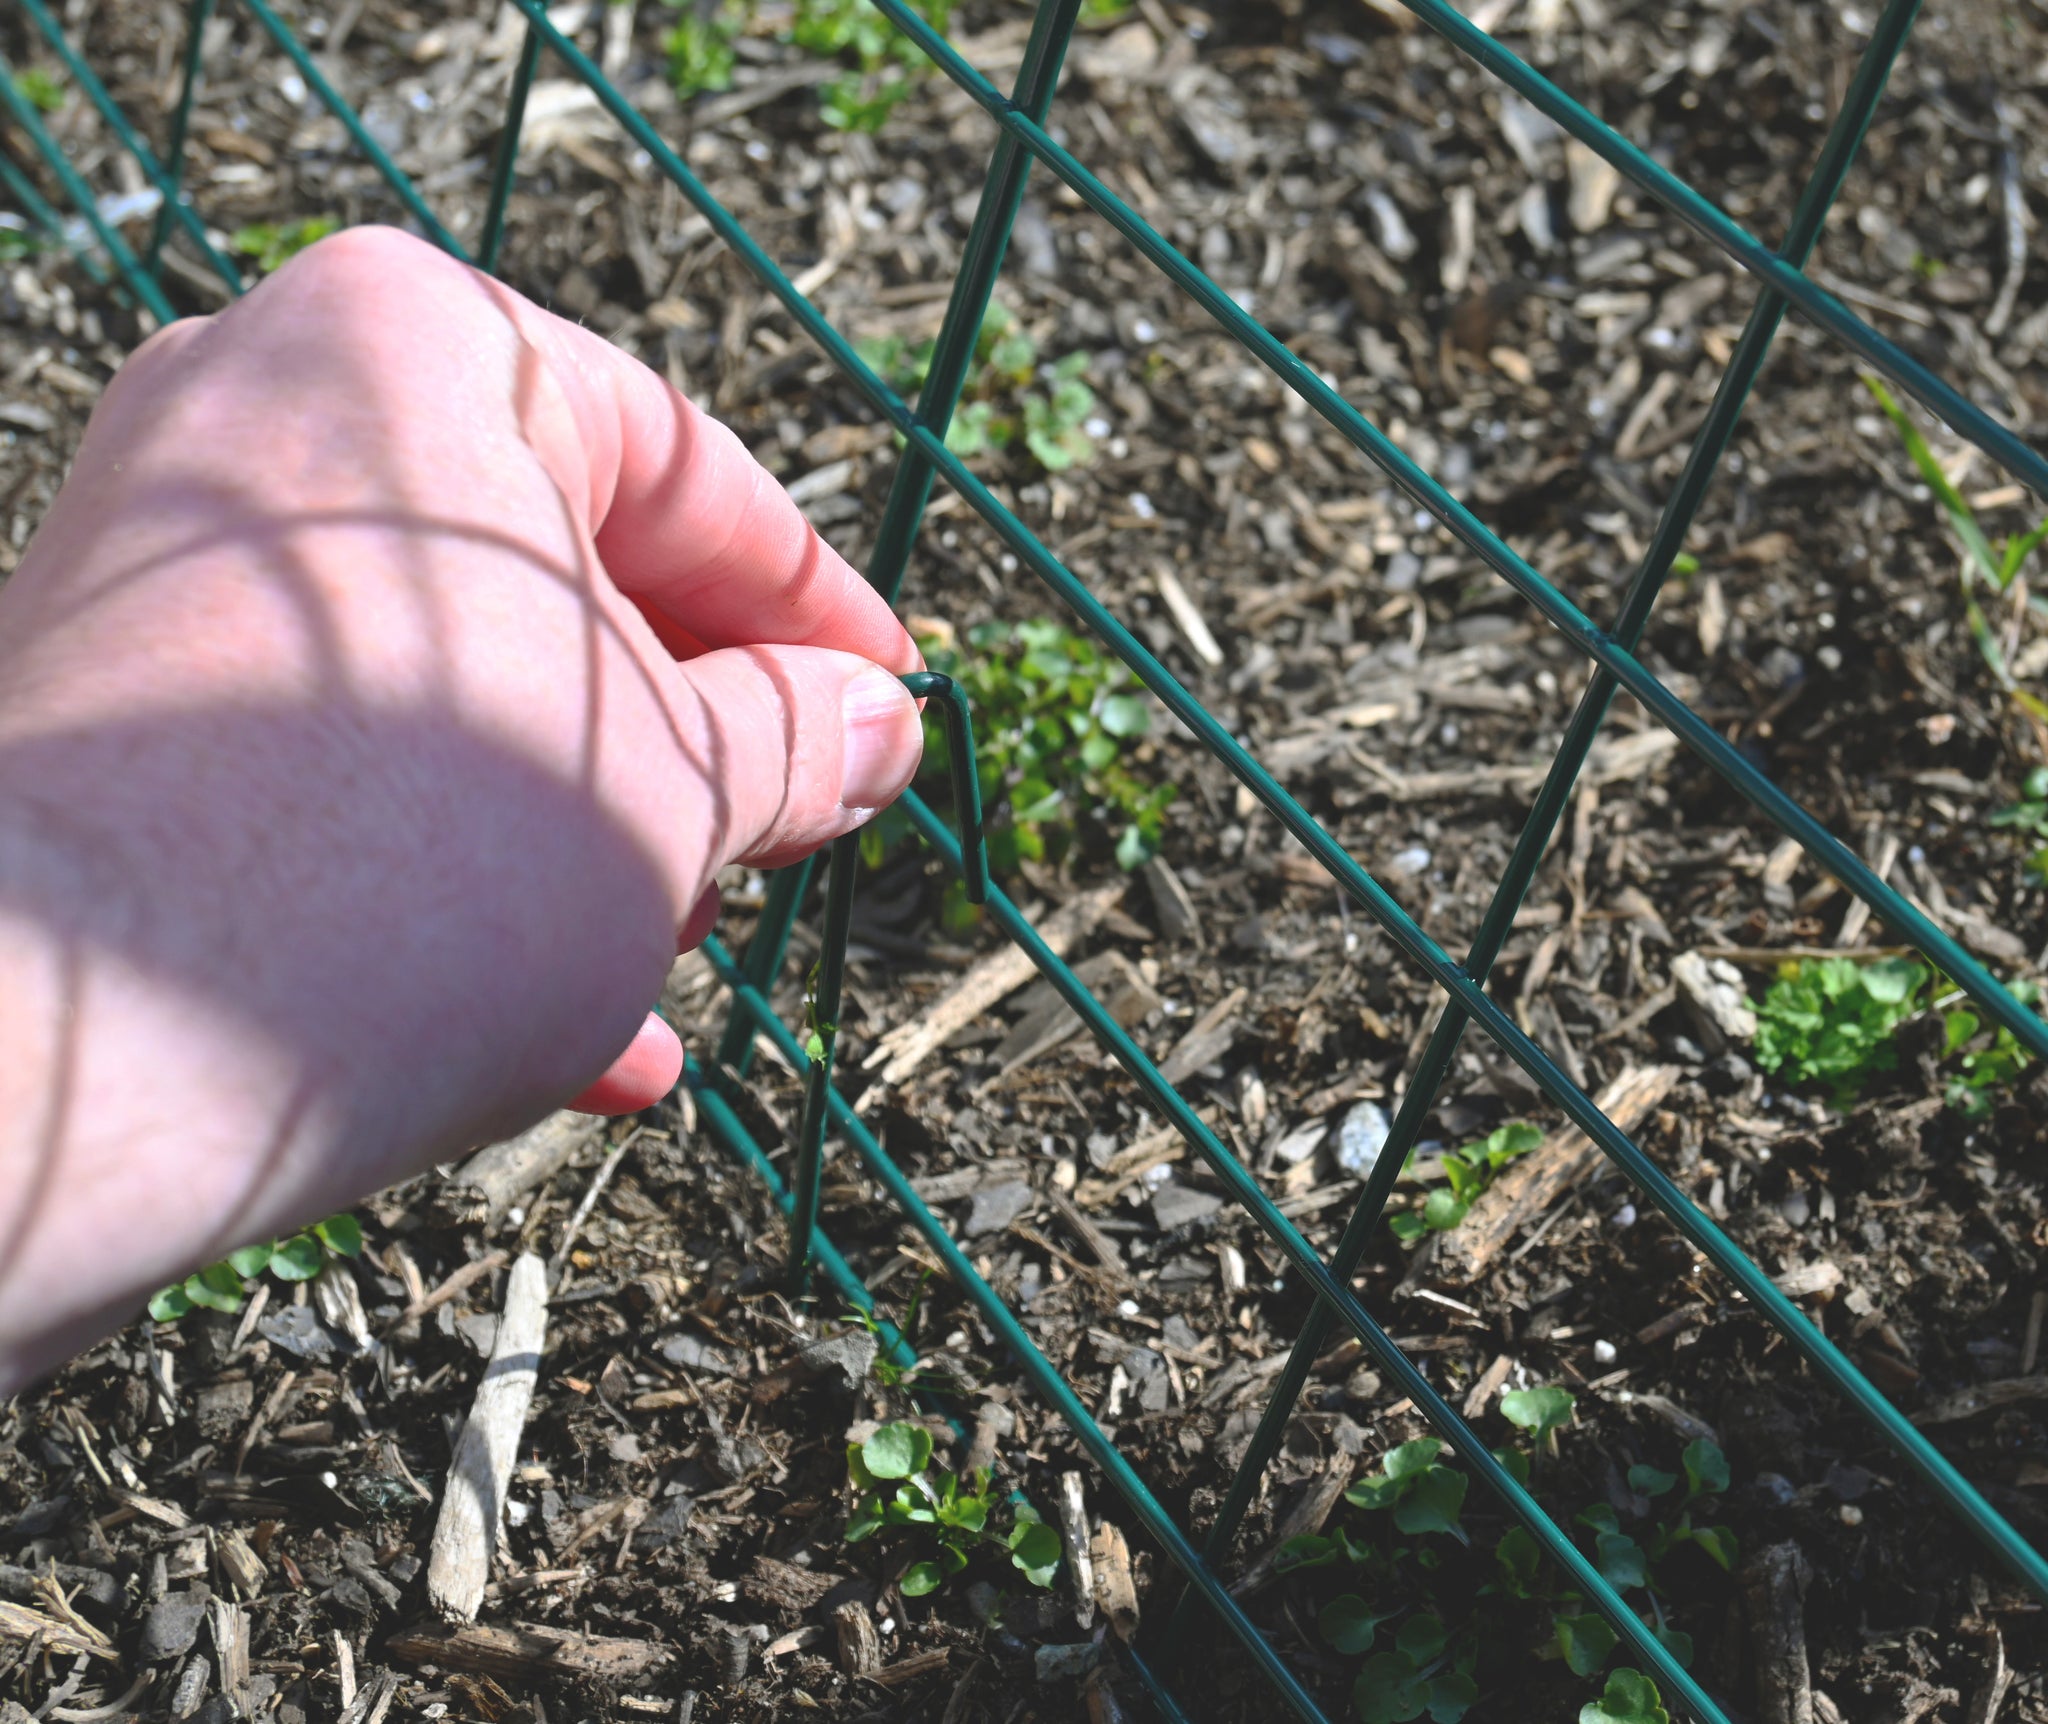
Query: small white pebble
{"x":331,"y":1480}
{"x":516,"y":1511}
{"x":1142,"y":507}
{"x":516,"y":1216}
{"x":888,"y":1625}
{"x":1143,"y":330}
{"x":1096,"y":427}
{"x":1604,"y":1353}
{"x":1625,"y":1216}
{"x":1127,"y":1308}
{"x":757,"y":151}
{"x":1851,"y":1515}
{"x":1916,"y":855}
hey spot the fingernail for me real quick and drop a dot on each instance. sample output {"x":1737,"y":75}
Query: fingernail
{"x":881,"y":739}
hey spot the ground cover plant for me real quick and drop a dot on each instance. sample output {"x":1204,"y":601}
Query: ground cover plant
{"x":223,"y":1286}
{"x":898,"y":1490}
{"x":682,"y":1487}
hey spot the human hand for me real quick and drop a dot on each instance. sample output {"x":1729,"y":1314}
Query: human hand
{"x":395,"y":671}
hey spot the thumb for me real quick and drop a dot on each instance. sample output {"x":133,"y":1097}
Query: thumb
{"x":793,"y":746}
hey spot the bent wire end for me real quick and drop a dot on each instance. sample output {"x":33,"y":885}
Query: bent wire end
{"x":955,"y":716}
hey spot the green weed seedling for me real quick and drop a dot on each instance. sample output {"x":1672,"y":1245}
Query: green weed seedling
{"x":997,"y":401}
{"x":1392,"y":1616}
{"x":275,"y":244}
{"x":699,"y":45}
{"x":2030,"y":816}
{"x":1831,"y":1020}
{"x":1983,"y":563}
{"x":1982,"y":1063}
{"x":223,"y":1286}
{"x":1467,"y":1172}
{"x":896,"y":1487}
{"x":1630,"y":1698}
{"x":1057,"y":726}
{"x":884,"y":64}
{"x":44,"y":91}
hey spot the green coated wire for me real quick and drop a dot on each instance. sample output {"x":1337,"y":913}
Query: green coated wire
{"x":765,"y":950}
{"x":1023,"y":138}
{"x":378,"y":157}
{"x":138,"y":280}
{"x":506,"y":164}
{"x":719,"y":1115}
{"x":37,"y":208}
{"x":1409,"y":1379}
{"x":995,"y":213}
{"x":174,"y":207}
{"x":828,"y":979}
{"x":181,"y":124}
{"x":1809,"y":217}
{"x":1361,"y":887}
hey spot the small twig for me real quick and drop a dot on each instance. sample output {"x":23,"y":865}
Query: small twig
{"x":112,"y":1709}
{"x":264,"y":1414}
{"x":2014,"y":199}
{"x":456,"y":1283}
{"x":599,"y":1181}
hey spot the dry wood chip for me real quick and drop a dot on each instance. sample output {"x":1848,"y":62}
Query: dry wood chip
{"x":995,"y":978}
{"x":519,"y":1652}
{"x":1116,"y":1593}
{"x":1982,"y":1398}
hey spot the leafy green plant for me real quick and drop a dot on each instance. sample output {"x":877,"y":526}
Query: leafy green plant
{"x":44,"y":91}
{"x":885,"y":1370}
{"x":2030,"y":815}
{"x":1542,"y":1412}
{"x":1983,"y":564}
{"x":1629,"y":1698}
{"x":1424,"y":1496}
{"x":1832,"y":1020}
{"x":223,"y":1286}
{"x":1414,"y":1677}
{"x":1983,"y":1064}
{"x":1057,"y":727}
{"x":274,"y":244}
{"x":1467,"y":1172}
{"x":995,"y":399}
{"x":884,"y":64}
{"x":699,"y":45}
{"x":896,"y":1487}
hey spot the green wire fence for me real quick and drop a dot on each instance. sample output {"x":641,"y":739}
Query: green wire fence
{"x":1022,"y":139}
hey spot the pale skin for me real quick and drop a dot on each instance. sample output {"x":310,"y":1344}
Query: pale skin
{"x":394,"y":673}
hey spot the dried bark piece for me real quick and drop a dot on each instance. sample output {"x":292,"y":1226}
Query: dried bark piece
{"x":473,"y":1503}
{"x":519,"y":1652}
{"x":496,"y":1177}
{"x":1116,"y":1593}
{"x":860,"y":1647}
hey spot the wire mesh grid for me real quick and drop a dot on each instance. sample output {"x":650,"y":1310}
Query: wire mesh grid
{"x":1024,"y":140}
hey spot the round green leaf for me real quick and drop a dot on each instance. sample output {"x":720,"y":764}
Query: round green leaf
{"x":1649,"y":1481}
{"x":1389,"y":1690}
{"x":1519,"y":1555}
{"x":297,"y":1258}
{"x":1124,"y":715}
{"x":920,"y":1578}
{"x":865,"y":1521}
{"x":341,"y":1234}
{"x":1630,"y":1698}
{"x":897,"y":1451}
{"x":1432,"y":1503}
{"x":1451,"y":1696}
{"x":1348,"y":1623}
{"x":169,"y":1305}
{"x":217,"y":1287}
{"x":1706,"y":1469}
{"x":1538,"y":1411}
{"x":1411,"y":1457}
{"x":1586,"y":1641}
{"x":251,"y":1260}
{"x":1621,"y":1560}
{"x":1443,"y":1209}
{"x":1422,"y":1637}
{"x":1035,"y":1549}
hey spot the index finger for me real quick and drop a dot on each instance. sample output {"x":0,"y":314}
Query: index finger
{"x":694,"y":529}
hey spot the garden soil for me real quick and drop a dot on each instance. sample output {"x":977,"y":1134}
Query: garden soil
{"x":239,"y":1512}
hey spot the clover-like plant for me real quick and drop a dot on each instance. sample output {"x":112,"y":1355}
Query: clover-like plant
{"x":1467,"y":1172}
{"x":223,"y":1286}
{"x":897,"y":1487}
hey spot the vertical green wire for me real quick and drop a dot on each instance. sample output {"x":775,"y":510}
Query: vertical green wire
{"x":507,"y":161}
{"x":822,"y":1004}
{"x":1809,"y":218}
{"x":181,"y":121}
{"x":1002,"y":191}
